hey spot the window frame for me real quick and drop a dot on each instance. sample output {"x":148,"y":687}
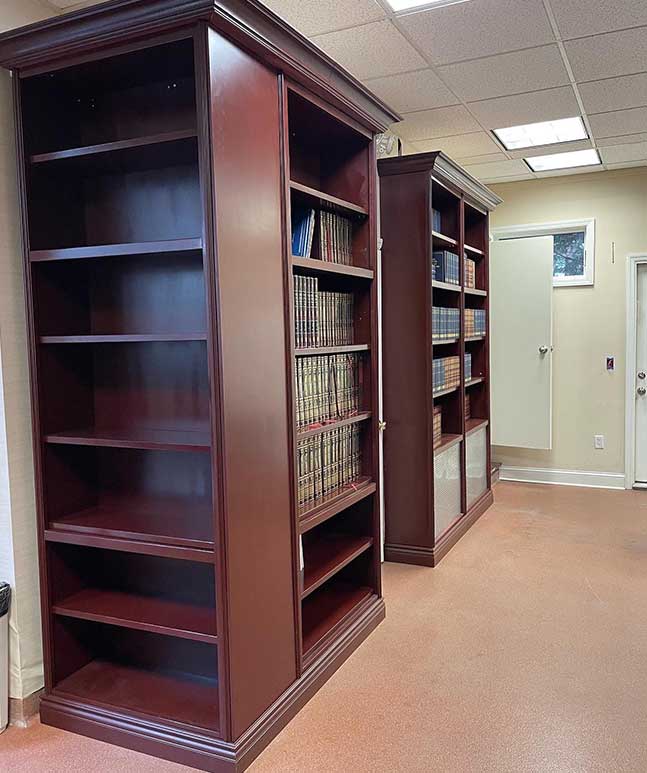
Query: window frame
{"x":585,"y":225}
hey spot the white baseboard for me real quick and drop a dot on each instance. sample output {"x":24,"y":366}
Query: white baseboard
{"x":615,"y":480}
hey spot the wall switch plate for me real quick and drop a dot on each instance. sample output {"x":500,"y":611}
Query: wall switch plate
{"x":611,"y":362}
{"x":598,"y":441}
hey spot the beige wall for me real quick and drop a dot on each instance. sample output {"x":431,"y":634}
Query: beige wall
{"x":589,"y":322}
{"x":18,"y":550}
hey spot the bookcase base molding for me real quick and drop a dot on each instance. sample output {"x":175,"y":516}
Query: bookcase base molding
{"x":200,"y":750}
{"x":421,"y":556}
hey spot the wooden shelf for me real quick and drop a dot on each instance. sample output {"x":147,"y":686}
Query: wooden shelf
{"x":473,"y":249}
{"x":325,"y":610}
{"x":475,"y":291}
{"x":121,"y":338}
{"x":328,"y":556}
{"x":445,"y":286}
{"x":314,"y":266}
{"x":444,"y":341}
{"x":325,"y":200}
{"x":474,"y":381}
{"x":310,"y":431}
{"x":443,"y":392}
{"x":322,"y":511}
{"x":446,"y":442}
{"x":473,"y":425}
{"x":183,"y":524}
{"x":175,"y":696}
{"x":112,"y":148}
{"x":142,"y":613}
{"x":118,"y":250}
{"x":140,"y":547}
{"x":145,"y":439}
{"x":443,"y":238}
{"x":472,"y":339}
{"x":315,"y":350}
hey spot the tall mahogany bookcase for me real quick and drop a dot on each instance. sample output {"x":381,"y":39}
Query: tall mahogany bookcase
{"x":189,"y":607}
{"x":432,"y":495}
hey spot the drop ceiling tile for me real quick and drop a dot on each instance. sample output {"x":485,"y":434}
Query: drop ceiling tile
{"x":419,"y":90}
{"x":498,"y":169}
{"x":614,"y":93}
{"x":547,"y":150}
{"x":501,"y":180}
{"x":459,"y":146}
{"x":607,"y":56}
{"x":478,"y":28}
{"x":441,"y":122}
{"x":624,"y":139}
{"x":589,"y":17}
{"x":619,"y":122}
{"x":312,"y":17}
{"x":617,"y":154}
{"x":513,"y":73}
{"x":372,"y":50}
{"x":484,"y":159}
{"x":627,"y":164}
{"x":538,"y":106}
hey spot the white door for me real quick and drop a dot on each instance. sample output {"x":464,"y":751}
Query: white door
{"x":640,"y":433}
{"x":521,"y":327}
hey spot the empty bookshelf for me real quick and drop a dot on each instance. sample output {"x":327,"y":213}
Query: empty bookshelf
{"x":434,"y":225}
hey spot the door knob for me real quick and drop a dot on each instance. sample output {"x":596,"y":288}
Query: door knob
{"x":642,"y":374}
{"x":543,"y":350}
{"x":641,"y":390}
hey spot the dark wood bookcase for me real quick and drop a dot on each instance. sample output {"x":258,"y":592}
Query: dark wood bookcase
{"x":433,"y":492}
{"x":190,"y":608}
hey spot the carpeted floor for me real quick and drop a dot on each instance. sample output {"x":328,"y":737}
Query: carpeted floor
{"x":525,"y":651}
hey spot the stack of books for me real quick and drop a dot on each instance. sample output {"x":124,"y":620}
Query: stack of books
{"x":436,"y":222}
{"x":446,"y":267}
{"x":445,"y":323}
{"x":475,"y":322}
{"x":335,"y":239}
{"x":468,"y":366}
{"x":327,"y":388}
{"x":327,"y":463}
{"x":438,"y":426}
{"x":321,"y":318}
{"x":446,"y":373}
{"x":470,"y":272}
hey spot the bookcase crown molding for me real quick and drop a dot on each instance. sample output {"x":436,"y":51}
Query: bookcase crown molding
{"x":84,"y":33}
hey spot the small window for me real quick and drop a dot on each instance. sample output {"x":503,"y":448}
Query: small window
{"x":573,"y":248}
{"x":569,"y":255}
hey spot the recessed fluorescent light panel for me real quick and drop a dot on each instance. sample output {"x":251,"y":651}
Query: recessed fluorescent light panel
{"x":545,"y":133}
{"x":564,"y":160}
{"x":408,"y":5}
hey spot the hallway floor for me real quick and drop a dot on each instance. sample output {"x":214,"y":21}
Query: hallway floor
{"x":524,"y":651}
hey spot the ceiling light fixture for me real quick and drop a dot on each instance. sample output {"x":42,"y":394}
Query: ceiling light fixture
{"x":569,"y":160}
{"x":531,"y":135}
{"x":410,"y":5}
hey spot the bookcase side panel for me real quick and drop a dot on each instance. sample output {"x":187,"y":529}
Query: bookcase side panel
{"x":406,"y":286}
{"x":256,"y":472}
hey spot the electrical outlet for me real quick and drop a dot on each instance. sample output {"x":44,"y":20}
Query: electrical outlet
{"x":598,"y":441}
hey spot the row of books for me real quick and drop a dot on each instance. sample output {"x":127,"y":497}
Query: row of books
{"x":327,"y":388}
{"x":446,"y":371}
{"x":326,"y":463}
{"x":436,"y":222}
{"x":335,"y":235}
{"x":437,"y":432}
{"x":321,"y":318}
{"x":475,"y":322}
{"x":445,"y":323}
{"x":445,"y":267}
{"x":468,"y":366}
